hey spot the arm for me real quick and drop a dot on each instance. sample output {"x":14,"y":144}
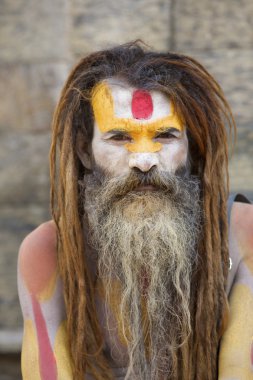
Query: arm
{"x":45,"y":353}
{"x":235,"y":360}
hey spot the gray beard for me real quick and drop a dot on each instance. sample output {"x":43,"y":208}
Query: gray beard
{"x":146,"y":241}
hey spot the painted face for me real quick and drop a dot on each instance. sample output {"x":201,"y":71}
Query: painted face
{"x":135,"y":128}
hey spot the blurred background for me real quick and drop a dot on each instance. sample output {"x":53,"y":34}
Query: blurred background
{"x":39,"y":42}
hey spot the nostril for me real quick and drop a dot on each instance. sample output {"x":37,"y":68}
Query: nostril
{"x":143,"y":161}
{"x":144,"y":178}
{"x":143,"y":175}
{"x":144,"y":167}
{"x":137,"y":171}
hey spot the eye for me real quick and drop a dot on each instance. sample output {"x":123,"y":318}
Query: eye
{"x":165,"y":135}
{"x":121,"y":137}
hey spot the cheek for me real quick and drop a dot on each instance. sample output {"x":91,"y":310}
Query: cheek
{"x":173,"y":156}
{"x":114,"y":159}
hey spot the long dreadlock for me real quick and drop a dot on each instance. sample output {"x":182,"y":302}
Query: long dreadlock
{"x":200,"y":103}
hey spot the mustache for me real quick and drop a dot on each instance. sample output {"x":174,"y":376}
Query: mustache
{"x":115,"y":188}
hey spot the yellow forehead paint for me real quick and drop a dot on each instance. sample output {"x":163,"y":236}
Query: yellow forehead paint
{"x":142,"y":132}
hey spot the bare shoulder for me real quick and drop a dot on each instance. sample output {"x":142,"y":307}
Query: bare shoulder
{"x":242,"y":216}
{"x":242,"y":226}
{"x":39,"y":241}
{"x":38,"y":256}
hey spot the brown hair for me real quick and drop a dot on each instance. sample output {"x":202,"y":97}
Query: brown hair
{"x":200,"y":103}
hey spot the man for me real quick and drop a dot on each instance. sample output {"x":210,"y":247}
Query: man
{"x":138,"y":245}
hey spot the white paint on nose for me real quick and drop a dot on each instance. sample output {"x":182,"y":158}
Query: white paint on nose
{"x":143,"y":161}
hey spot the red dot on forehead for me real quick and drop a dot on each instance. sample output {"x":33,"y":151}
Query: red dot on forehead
{"x":142,"y":104}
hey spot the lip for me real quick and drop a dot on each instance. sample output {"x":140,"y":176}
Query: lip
{"x":145,"y":188}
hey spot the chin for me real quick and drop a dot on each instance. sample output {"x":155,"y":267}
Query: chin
{"x":141,"y":204}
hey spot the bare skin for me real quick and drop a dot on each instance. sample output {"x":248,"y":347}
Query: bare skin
{"x":45,"y":353}
{"x":39,"y":249}
{"x":236,"y":346}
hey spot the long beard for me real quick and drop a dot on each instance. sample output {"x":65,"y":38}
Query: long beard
{"x":147,"y":241}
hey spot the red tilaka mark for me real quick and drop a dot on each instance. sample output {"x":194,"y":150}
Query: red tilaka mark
{"x":48,"y":369}
{"x":142,"y":105}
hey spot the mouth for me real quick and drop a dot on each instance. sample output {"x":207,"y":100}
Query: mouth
{"x":145,"y":188}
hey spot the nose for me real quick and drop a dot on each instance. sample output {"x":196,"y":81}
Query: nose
{"x":143,"y":161}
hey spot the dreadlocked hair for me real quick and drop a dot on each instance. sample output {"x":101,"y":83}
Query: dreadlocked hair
{"x":200,"y":103}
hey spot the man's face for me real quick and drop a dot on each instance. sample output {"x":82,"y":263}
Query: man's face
{"x":134,"y":128}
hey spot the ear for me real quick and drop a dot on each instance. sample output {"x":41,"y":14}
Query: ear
{"x":83,"y":150}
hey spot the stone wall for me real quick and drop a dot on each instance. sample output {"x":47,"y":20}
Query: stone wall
{"x":39,"y":42}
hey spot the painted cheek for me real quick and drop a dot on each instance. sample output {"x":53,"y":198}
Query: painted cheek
{"x":111,"y":158}
{"x":173,"y":155}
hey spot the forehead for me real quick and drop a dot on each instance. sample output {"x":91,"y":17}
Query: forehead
{"x":137,"y":104}
{"x":116,"y":105}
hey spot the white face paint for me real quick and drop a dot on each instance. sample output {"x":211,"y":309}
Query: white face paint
{"x":112,"y":148}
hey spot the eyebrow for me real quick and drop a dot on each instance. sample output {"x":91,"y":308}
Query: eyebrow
{"x":117,"y":131}
{"x":168,"y":129}
{"x":174,"y":131}
{"x":163,"y":129}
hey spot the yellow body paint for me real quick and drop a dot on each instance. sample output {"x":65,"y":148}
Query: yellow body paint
{"x":141,"y":131}
{"x":236,"y":341}
{"x":62,"y":353}
{"x":49,"y":288}
{"x":30,"y":353}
